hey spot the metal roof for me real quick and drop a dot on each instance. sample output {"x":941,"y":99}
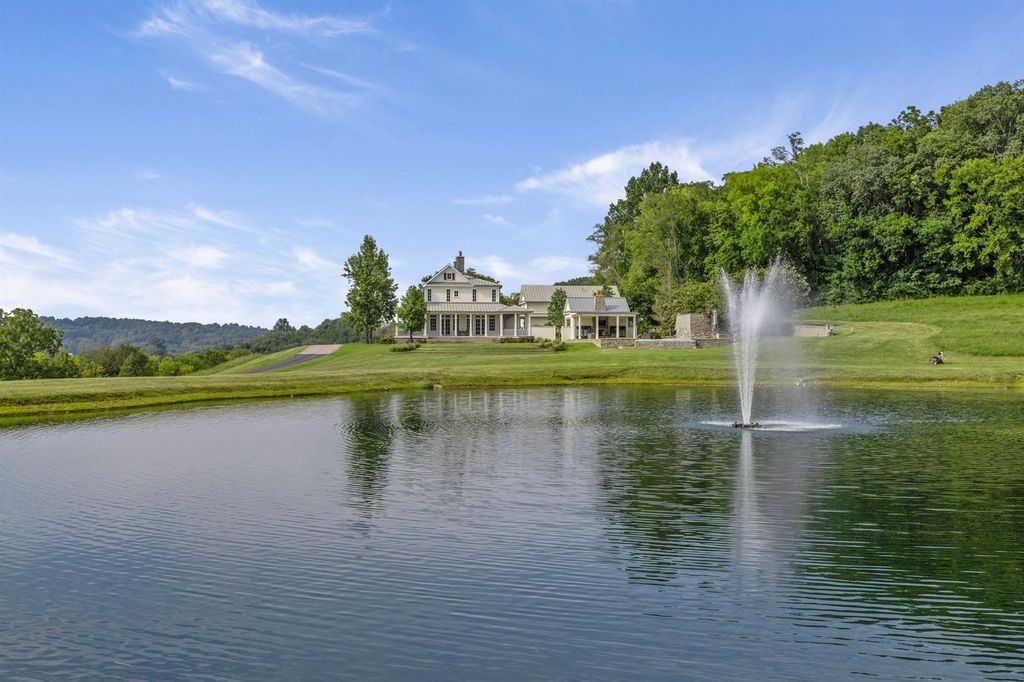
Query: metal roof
{"x":613,"y":305}
{"x":544,"y":292}
{"x":446,"y":307}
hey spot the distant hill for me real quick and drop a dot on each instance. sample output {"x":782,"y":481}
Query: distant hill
{"x":151,"y":336}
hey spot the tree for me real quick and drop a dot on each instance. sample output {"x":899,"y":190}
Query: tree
{"x":556,"y":312}
{"x":412,"y":311}
{"x":283,"y":325}
{"x":137,"y":364}
{"x":26,"y":344}
{"x":371,"y":295}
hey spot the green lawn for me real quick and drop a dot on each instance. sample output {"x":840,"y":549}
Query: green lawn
{"x":880,"y":344}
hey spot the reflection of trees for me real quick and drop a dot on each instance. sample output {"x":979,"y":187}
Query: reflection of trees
{"x":666,"y":491}
{"x":369,"y":435}
{"x":938,"y":507}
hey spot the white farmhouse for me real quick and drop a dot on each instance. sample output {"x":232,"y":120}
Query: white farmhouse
{"x":589,"y":313}
{"x":461,"y":307}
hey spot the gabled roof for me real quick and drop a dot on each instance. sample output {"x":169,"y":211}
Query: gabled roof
{"x":544,"y":292}
{"x":461,"y":278}
{"x":613,"y":305}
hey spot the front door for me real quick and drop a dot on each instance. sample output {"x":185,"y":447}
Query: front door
{"x":446,"y":325}
{"x":478,"y":325}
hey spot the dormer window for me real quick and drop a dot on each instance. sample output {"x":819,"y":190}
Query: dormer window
{"x":474,"y":295}
{"x":494,"y":295}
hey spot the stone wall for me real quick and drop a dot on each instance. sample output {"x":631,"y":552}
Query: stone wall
{"x":666,"y":343}
{"x":810,"y":330}
{"x":694,"y":326}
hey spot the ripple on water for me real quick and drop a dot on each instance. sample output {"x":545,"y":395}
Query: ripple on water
{"x":516,"y":534}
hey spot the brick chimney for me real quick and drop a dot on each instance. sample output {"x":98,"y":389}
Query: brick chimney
{"x":599,"y":303}
{"x":460,"y":262}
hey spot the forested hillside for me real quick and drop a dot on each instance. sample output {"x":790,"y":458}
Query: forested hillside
{"x":927,"y":204}
{"x":155,"y":338}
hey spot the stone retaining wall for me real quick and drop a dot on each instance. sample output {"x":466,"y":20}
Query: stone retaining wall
{"x":666,"y":343}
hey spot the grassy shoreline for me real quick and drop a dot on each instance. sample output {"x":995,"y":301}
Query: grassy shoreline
{"x":878,"y":345}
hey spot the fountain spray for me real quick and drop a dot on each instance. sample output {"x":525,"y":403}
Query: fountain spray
{"x":748,"y":310}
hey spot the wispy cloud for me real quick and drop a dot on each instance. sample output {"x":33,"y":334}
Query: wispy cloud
{"x":199,"y":26}
{"x":539,"y":269}
{"x":192,"y":263}
{"x":599,"y":181}
{"x":182,"y":84}
{"x":499,"y":220}
{"x":486,"y":200}
{"x":309,"y":259}
{"x":147,"y":175}
{"x":31,"y":245}
{"x":252,"y":15}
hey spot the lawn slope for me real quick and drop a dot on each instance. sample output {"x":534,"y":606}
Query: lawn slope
{"x":878,"y":344}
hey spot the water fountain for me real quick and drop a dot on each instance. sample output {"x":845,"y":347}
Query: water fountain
{"x":749,"y":308}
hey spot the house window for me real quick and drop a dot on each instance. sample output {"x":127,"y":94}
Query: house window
{"x":449,"y":275}
{"x":474,"y":295}
{"x":433,"y":322}
{"x":447,"y":294}
{"x":456,"y":293}
{"x":491,"y":323}
{"x":428,"y":295}
{"x":494,"y":295}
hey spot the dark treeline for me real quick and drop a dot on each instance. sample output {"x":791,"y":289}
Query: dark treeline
{"x":929,"y":204}
{"x":155,"y":338}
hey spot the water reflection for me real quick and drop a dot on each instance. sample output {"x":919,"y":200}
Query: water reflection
{"x":517,"y":534}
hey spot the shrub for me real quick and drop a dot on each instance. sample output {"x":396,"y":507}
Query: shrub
{"x":516,"y":339}
{"x":387,"y":338}
{"x":546,"y":343}
{"x":168,"y":367}
{"x":137,"y":364}
{"x":558,"y":347}
{"x":404,"y":347}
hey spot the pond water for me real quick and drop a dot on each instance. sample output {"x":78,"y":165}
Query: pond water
{"x":539,"y":534}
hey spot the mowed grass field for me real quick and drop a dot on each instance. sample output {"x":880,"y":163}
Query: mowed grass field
{"x":878,"y":344}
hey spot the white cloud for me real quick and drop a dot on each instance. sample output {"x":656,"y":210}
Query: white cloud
{"x":252,"y":15}
{"x":599,"y":181}
{"x":348,"y":79}
{"x":484,"y":200}
{"x":245,"y":61}
{"x":31,"y":245}
{"x":498,"y":220}
{"x":181,"y":84}
{"x":198,"y":26}
{"x":185,"y":265}
{"x":309,"y":259}
{"x":147,"y":175}
{"x":540,"y":269}
{"x":202,"y":256}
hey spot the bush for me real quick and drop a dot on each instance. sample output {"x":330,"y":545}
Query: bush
{"x":137,"y":364}
{"x":558,"y":347}
{"x":88,"y":369}
{"x":547,"y":343}
{"x":516,"y":339}
{"x":404,"y":347}
{"x":168,"y":367}
{"x":387,"y":338}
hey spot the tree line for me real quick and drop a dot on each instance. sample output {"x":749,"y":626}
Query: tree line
{"x":928,"y":204}
{"x":155,"y":338}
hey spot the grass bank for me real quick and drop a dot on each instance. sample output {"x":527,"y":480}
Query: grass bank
{"x":880,"y":344}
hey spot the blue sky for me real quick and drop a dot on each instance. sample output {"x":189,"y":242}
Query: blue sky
{"x":216,"y":160}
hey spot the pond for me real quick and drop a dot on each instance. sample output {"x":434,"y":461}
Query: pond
{"x":528,"y":534}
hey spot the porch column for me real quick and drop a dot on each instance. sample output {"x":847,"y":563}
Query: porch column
{"x":472,"y":329}
{"x":616,"y":326}
{"x":515,"y":325}
{"x":634,"y":326}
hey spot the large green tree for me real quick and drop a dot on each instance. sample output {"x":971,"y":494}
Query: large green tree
{"x":412,"y":310}
{"x":27,"y":346}
{"x":556,"y":312}
{"x":371,"y":295}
